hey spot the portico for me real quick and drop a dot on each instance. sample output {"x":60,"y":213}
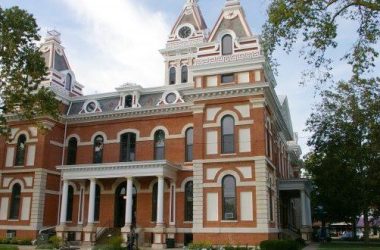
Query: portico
{"x":129,"y":172}
{"x":295,"y":199}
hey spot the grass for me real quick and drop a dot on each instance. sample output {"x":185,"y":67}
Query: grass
{"x":8,"y":247}
{"x":350,"y":245}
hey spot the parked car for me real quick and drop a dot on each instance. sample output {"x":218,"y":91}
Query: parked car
{"x":348,"y":235}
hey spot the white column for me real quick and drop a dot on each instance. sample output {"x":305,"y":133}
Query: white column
{"x":91,"y":201}
{"x":303,"y":208}
{"x":129,"y":202}
{"x":308,"y":209}
{"x":160,"y":201}
{"x":65,"y":191}
{"x":172,"y":203}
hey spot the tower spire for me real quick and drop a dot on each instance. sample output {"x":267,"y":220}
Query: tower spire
{"x":232,"y":2}
{"x":191,"y":2}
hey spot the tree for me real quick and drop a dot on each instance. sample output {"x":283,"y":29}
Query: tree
{"x":22,"y":69}
{"x":316,"y":22}
{"x":345,"y":161}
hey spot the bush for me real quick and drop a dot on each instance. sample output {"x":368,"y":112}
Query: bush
{"x":56,"y":241}
{"x":301,"y":242}
{"x":115,"y":242}
{"x":279,"y":245}
{"x":201,"y":245}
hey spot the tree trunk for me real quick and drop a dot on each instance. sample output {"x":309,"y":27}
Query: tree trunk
{"x":366,"y":226}
{"x":354,"y":228}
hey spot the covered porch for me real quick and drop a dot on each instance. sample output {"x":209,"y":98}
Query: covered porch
{"x":121,"y":186}
{"x":295,"y":208}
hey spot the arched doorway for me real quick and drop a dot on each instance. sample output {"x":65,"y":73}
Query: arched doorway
{"x":120,"y":196}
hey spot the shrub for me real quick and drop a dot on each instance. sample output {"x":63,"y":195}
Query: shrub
{"x":24,"y":242}
{"x":115,"y":242}
{"x":56,"y":241}
{"x":201,"y":245}
{"x":5,"y":241}
{"x":279,"y":245}
{"x":301,"y":242}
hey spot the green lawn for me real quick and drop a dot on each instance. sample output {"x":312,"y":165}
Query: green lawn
{"x":8,"y":247}
{"x":350,"y":245}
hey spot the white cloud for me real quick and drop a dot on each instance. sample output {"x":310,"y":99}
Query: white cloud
{"x":118,"y":42}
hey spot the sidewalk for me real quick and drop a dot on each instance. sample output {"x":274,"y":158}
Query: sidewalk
{"x":312,"y":246}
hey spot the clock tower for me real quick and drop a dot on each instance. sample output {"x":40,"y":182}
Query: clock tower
{"x":189,"y":31}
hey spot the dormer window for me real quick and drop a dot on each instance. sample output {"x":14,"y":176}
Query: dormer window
{"x":227,"y":45}
{"x":69,"y":79}
{"x":128,"y":103}
{"x":172,"y":76}
{"x":184,"y":74}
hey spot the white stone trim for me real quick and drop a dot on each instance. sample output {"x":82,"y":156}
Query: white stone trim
{"x":186,"y":127}
{"x":228,"y":172}
{"x":117,"y":169}
{"x":76,"y":136}
{"x":105,"y":140}
{"x":55,"y":143}
{"x":237,"y":123}
{"x":128,"y":130}
{"x":236,"y":230}
{"x":183,"y":183}
{"x":29,"y":170}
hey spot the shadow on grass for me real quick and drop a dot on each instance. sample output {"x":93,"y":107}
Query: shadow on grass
{"x":354,"y":245}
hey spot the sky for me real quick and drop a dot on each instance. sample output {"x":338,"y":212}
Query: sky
{"x":112,"y":42}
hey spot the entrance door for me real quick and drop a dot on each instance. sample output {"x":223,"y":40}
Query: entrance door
{"x":120,"y":197}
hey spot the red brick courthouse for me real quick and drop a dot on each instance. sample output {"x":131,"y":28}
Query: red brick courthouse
{"x":209,"y":156}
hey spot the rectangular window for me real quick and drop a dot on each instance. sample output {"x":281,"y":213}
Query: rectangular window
{"x":228,"y":78}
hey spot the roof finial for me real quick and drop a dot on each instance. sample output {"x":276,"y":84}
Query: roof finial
{"x":232,"y":2}
{"x":191,"y":2}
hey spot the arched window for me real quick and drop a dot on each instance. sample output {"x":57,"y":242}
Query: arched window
{"x":184,"y":74}
{"x":229,"y":198}
{"x":70,"y":199}
{"x":68,"y":82}
{"x":127,"y":147}
{"x":172,"y":76}
{"x":20,"y":151}
{"x":227,"y":45}
{"x":189,"y":145}
{"x":128,"y":103}
{"x":97,"y":203}
{"x":72,"y":151}
{"x":15,"y":202}
{"x":159,"y":145}
{"x":228,"y":137}
{"x":189,"y":201}
{"x":98,"y":149}
{"x":154,"y":202}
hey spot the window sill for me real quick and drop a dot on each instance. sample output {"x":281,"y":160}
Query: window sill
{"x":187,"y":222}
{"x":229,"y":221}
{"x":13,"y":220}
{"x":229,"y":154}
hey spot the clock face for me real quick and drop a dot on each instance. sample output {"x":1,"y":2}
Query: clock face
{"x":171,"y":98}
{"x":91,"y":107}
{"x":184,"y":32}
